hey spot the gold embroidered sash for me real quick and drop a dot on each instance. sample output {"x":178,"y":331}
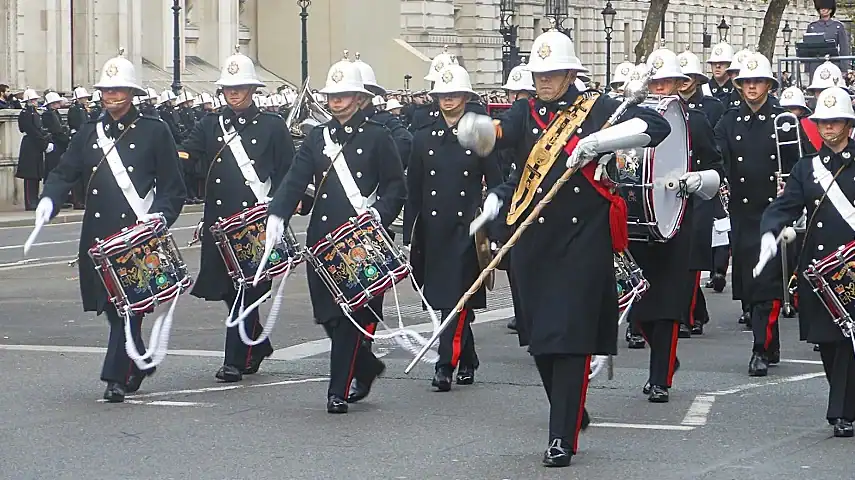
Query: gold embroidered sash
{"x":545,"y":152}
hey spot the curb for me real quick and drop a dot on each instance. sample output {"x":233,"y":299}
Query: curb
{"x":75,"y":216}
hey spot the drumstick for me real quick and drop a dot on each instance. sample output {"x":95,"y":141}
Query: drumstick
{"x":787,"y":235}
{"x":32,"y":238}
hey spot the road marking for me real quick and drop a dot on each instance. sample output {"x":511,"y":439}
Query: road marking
{"x":225,"y":388}
{"x":641,"y":426}
{"x":699,"y":411}
{"x":804,"y":362}
{"x":162,"y":403}
{"x":749,"y":386}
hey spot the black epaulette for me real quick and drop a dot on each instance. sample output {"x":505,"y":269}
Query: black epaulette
{"x":150,"y":117}
{"x":374,"y":122}
{"x":271,"y":114}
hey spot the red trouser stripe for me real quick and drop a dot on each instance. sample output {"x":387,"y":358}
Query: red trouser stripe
{"x":456,"y":343}
{"x":694,"y":298}
{"x":773,"y":319}
{"x":581,"y":404}
{"x":352,"y":369}
{"x":371,"y":328}
{"x":672,"y":354}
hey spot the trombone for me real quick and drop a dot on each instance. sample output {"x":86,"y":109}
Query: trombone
{"x":786,"y":123}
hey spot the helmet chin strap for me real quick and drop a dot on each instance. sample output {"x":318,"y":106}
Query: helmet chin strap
{"x":562,"y":89}
{"x":244,"y":103}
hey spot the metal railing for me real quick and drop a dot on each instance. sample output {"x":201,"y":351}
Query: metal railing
{"x":793,"y":65}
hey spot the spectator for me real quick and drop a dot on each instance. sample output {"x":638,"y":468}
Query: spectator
{"x":833,"y":30}
{"x":7,"y":99}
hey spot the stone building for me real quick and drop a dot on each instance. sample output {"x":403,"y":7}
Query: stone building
{"x":61,"y":43}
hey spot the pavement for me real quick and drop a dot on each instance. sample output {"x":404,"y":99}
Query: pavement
{"x":720,"y":424}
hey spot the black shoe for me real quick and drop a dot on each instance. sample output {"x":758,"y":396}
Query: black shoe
{"x":255,"y":363}
{"x":628,"y":334}
{"x":816,"y":347}
{"x":360,"y":389}
{"x":843,"y":428}
{"x":684,"y":331}
{"x":115,"y":392}
{"x":229,"y":373}
{"x":586,"y":419}
{"x":336,"y":404}
{"x":135,"y":379}
{"x":557,"y":455}
{"x":698,"y":329}
{"x":718,"y":282}
{"x":758,"y":366}
{"x":646,"y":388}
{"x":774,"y":358}
{"x":465,"y":375}
{"x":442,"y":379}
{"x":745,"y":319}
{"x":512,"y":324}
{"x":636,"y":342}
{"x":658,"y":394}
{"x":709,"y":284}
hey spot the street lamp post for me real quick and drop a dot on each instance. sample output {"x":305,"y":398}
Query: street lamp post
{"x":722,"y":28}
{"x":304,"y":17}
{"x":509,"y":37}
{"x":176,"y":47}
{"x":788,"y":35}
{"x":608,"y":22}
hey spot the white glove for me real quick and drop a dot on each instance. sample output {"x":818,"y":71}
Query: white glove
{"x":477,"y":132}
{"x":265,"y":200}
{"x":489,"y":212}
{"x":49,"y":148}
{"x":44,"y":210}
{"x":376,"y":215}
{"x":585,"y":151}
{"x":768,"y":250}
{"x":692,"y":180}
{"x":146,"y":217}
{"x":274,"y":231}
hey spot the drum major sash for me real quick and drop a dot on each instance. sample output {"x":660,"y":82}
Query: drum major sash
{"x":335,"y":153}
{"x":833,"y":193}
{"x":546,"y":151}
{"x":259,"y":188}
{"x":140,"y":206}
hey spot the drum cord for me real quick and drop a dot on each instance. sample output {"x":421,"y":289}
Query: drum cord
{"x":158,"y":340}
{"x":267,"y":328}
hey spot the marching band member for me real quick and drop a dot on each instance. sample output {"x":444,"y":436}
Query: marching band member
{"x":827,"y":75}
{"x":701,"y":258}
{"x":265,"y":140}
{"x":721,"y":83}
{"x":667,"y":265}
{"x":78,"y":114}
{"x":569,"y":317}
{"x":823,"y":183}
{"x":622,"y":73}
{"x":747,"y":138}
{"x":368,"y":176}
{"x":444,"y":184}
{"x":739,"y":59}
{"x":59,"y":134}
{"x":147,"y":151}
{"x":34,"y":143}
{"x":793,"y":100}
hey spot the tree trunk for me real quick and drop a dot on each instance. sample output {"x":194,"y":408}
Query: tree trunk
{"x":655,"y":17}
{"x":771,"y":22}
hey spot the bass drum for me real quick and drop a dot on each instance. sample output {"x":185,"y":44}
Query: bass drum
{"x":649,"y":178}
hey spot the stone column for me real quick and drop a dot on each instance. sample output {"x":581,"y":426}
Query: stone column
{"x":227,"y":29}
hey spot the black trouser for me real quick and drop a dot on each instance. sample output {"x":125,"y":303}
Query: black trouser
{"x":191,"y":183}
{"x":349,"y":357}
{"x":237,"y":353}
{"x":31,"y":194}
{"x":721,"y":259}
{"x":565,"y":379}
{"x":117,"y":365}
{"x":764,"y":324}
{"x":457,"y":344}
{"x":662,"y":336}
{"x":697,"y":313}
{"x":78,"y":191}
{"x":838,"y":361}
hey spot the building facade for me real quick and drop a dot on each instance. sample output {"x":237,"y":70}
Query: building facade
{"x":61,"y":43}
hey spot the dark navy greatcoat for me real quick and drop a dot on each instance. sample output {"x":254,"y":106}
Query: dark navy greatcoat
{"x":373,"y":161}
{"x":148,"y":152}
{"x":267,"y":143}
{"x":721,"y":92}
{"x":31,"y":159}
{"x":564,"y":262}
{"x":444,"y":187}
{"x":747,"y":143}
{"x":825,"y":234}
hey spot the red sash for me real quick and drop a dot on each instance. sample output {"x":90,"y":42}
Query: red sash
{"x":812,"y":132}
{"x":617,"y":210}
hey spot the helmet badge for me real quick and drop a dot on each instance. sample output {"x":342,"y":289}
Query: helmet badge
{"x":233,"y":67}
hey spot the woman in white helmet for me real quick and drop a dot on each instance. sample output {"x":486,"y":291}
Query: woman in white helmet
{"x":367,"y":160}
{"x":829,"y":176}
{"x":146,"y":149}
{"x":31,"y":159}
{"x":215,"y":147}
{"x":566,"y":318}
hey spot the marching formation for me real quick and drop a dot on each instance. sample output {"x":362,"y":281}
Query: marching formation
{"x":668,"y":174}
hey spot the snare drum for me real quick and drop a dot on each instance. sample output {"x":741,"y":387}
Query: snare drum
{"x":358,"y":261}
{"x":140,"y":267}
{"x":240,"y":240}
{"x":648,"y":178}
{"x":833,"y":280}
{"x":631,"y":284}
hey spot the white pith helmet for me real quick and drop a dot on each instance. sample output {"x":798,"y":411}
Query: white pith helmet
{"x":119,"y":72}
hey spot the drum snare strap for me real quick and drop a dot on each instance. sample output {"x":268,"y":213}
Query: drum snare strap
{"x":833,"y":193}
{"x":140,"y":206}
{"x":336,"y":155}
{"x":259,"y":188}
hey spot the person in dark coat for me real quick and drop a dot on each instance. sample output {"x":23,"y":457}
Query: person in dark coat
{"x":829,"y":229}
{"x":747,"y":139}
{"x":721,"y":83}
{"x":444,"y":185}
{"x":266,"y":142}
{"x":569,"y":317}
{"x":31,"y":159}
{"x":78,"y":115}
{"x":832,"y":29}
{"x":147,"y":150}
{"x":367,"y":159}
{"x":58,"y":132}
{"x":668,"y":265}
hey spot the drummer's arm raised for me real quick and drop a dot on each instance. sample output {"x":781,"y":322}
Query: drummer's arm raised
{"x":170,"y":192}
{"x":789,"y":206}
{"x":63,"y":177}
{"x":301,"y":173}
